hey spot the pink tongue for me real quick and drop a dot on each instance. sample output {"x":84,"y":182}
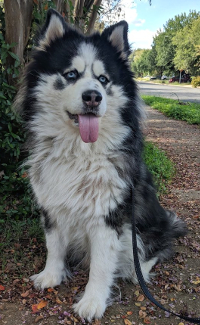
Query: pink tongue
{"x":88,"y":127}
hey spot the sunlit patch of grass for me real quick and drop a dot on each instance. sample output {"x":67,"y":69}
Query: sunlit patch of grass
{"x":189,"y":112}
{"x":159,"y":165}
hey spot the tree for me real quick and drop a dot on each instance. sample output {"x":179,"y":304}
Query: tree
{"x":81,"y":13}
{"x":142,"y":62}
{"x":164,"y":52}
{"x":18,"y":17}
{"x":187,"y":43}
{"x":177,"y":23}
{"x":166,"y":42}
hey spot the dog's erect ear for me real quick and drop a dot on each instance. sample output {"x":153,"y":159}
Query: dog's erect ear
{"x":118,"y":37}
{"x":54,"y":27}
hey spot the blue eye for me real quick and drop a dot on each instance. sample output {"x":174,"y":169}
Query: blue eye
{"x":71,"y":75}
{"x":103,"y":79}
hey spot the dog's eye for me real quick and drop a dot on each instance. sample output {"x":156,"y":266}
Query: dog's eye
{"x":103,"y":80}
{"x":71,"y":75}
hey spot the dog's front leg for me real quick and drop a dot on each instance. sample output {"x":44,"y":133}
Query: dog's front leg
{"x":54,"y":271}
{"x":105,"y":247}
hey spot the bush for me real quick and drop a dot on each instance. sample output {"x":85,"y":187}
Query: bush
{"x":195,"y":82}
{"x":16,"y":201}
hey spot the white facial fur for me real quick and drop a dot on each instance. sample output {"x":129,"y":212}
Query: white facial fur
{"x":91,"y":68}
{"x":54,"y":103}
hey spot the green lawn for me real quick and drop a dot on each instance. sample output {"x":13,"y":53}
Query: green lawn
{"x":159,"y":165}
{"x":189,"y":112}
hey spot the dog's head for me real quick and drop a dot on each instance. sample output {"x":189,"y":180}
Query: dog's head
{"x":77,"y":78}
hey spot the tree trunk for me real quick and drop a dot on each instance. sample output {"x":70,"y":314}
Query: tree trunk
{"x":93,"y":16}
{"x":18,"y":14}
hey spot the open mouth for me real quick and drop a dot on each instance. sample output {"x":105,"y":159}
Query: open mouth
{"x":88,"y":126}
{"x":73,"y":117}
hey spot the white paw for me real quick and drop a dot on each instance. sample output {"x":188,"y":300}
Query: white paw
{"x":90,"y":307}
{"x":47,"y":279}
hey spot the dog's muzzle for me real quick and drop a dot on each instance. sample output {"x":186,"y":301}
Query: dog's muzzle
{"x":91,"y":100}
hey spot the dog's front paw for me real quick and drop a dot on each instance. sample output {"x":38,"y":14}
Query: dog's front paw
{"x":47,"y":279}
{"x":90,"y":307}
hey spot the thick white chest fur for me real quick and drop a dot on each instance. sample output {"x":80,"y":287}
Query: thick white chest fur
{"x":85,"y":186}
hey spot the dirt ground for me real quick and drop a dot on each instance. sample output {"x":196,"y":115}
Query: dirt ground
{"x":176,"y":282}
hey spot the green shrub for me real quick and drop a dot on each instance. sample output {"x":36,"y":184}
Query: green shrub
{"x":16,"y":200}
{"x":195,"y":82}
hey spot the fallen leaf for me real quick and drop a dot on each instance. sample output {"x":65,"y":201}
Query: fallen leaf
{"x":138,"y":304}
{"x":197,"y":281}
{"x":129,"y":312}
{"x":35,"y":309}
{"x":2,"y":288}
{"x":127,"y":322}
{"x":58,"y":301}
{"x":75,"y":289}
{"x":140,"y":298}
{"x":38,"y":318}
{"x":42,"y":304}
{"x":25,"y":294}
{"x":142,"y":314}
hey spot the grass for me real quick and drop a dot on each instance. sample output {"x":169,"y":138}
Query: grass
{"x":158,"y":81}
{"x":159,"y":165}
{"x":16,"y":231}
{"x":189,"y":112}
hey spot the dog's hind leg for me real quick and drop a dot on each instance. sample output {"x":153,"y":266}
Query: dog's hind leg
{"x":105,"y":247}
{"x":126,"y":269}
{"x":54,"y":271}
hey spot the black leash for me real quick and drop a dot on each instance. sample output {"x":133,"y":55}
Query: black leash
{"x":141,"y":278}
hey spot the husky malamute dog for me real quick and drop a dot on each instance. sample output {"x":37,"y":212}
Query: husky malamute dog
{"x":81,"y":109}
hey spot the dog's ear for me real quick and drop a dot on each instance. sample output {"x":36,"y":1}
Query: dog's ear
{"x":54,"y":27}
{"x":117,"y":35}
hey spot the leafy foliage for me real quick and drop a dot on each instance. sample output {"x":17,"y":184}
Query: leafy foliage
{"x":196,"y":82}
{"x":142,"y":61}
{"x":176,"y":47}
{"x":187,"y":42}
{"x":14,"y":191}
{"x":175,"y":109}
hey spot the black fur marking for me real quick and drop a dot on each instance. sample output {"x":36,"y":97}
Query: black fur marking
{"x":157,"y":227}
{"x":48,"y":224}
{"x":109,"y":90}
{"x":59,"y":84}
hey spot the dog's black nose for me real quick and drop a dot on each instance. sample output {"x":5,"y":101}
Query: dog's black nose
{"x":92,"y":98}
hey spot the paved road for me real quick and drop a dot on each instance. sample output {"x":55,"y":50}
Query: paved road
{"x":184,"y":93}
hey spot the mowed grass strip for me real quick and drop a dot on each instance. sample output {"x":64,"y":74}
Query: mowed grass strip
{"x":189,"y":112}
{"x":160,"y":166}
